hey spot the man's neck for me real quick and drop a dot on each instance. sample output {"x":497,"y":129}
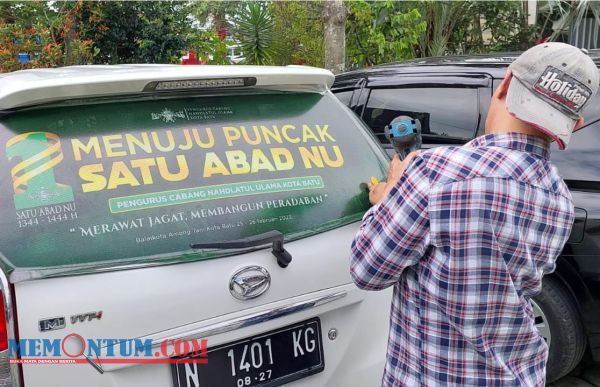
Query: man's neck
{"x":514,"y":126}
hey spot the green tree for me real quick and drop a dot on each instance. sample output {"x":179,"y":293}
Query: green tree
{"x":44,"y":33}
{"x":209,"y":46}
{"x":457,"y":27}
{"x":298,"y":29}
{"x":443,"y":19}
{"x":253,"y":28}
{"x":381,"y":32}
{"x":136,"y":31}
{"x":506,"y":22}
{"x":214,"y":14}
{"x":571,"y":14}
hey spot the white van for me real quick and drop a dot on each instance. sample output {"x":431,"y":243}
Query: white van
{"x":184,"y":226}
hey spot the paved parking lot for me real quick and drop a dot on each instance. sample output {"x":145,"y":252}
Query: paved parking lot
{"x":584,"y":376}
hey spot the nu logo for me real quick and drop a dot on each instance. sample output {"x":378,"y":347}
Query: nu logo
{"x":33,"y":177}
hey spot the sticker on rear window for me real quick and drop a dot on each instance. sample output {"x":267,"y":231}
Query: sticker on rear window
{"x":114,"y":181}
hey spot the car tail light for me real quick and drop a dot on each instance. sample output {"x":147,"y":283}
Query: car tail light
{"x":3,"y":329}
{"x":191,"y":84}
{"x":9,"y":373}
{"x":5,"y":375}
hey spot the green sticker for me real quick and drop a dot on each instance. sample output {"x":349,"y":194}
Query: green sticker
{"x":33,"y":177}
{"x":212,"y":192}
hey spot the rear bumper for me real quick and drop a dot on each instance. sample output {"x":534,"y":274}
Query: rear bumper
{"x":355,"y":358}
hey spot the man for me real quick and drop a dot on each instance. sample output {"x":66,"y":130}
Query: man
{"x":465,"y":234}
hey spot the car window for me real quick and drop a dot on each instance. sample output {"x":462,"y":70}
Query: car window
{"x":133,"y":179}
{"x":443,"y":112}
{"x":580,"y":160}
{"x":344,"y":96}
{"x":591,"y":112}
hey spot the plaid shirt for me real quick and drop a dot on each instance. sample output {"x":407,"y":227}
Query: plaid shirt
{"x":465,"y":237}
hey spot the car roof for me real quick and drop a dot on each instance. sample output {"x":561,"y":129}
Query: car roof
{"x":492,"y":64}
{"x":37,"y":86}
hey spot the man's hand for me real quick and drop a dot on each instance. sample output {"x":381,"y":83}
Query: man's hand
{"x":377,"y":192}
{"x":397,"y":167}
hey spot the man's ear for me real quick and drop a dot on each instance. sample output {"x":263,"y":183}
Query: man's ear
{"x":579,"y":124}
{"x":502,"y":89}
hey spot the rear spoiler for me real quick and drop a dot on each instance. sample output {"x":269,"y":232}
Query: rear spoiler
{"x":28,"y":88}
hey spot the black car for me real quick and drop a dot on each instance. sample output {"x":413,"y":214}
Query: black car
{"x":450,"y":96}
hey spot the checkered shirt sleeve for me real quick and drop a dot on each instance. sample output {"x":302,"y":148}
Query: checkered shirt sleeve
{"x":393,"y":234}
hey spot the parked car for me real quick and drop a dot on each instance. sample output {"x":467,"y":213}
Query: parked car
{"x":146,"y":208}
{"x":450,"y":96}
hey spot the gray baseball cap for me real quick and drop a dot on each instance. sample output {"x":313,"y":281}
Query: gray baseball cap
{"x":551,"y":84}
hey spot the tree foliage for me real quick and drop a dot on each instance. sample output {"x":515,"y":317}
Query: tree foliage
{"x":568,"y":13}
{"x":253,"y":28}
{"x":506,"y":22}
{"x":386,"y":31}
{"x":209,"y":46}
{"x":381,"y":31}
{"x":211,"y":13}
{"x":442,"y":19}
{"x":136,"y":31}
{"x":461,"y":27}
{"x":45,"y":36}
{"x":298,"y":32}
{"x":57,"y":33}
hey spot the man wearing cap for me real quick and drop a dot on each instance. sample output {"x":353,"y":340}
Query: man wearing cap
{"x":465,"y":234}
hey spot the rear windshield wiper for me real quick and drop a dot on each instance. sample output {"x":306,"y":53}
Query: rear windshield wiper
{"x":275,"y":237}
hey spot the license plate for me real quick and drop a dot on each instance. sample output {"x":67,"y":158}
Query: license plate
{"x":268,"y":360}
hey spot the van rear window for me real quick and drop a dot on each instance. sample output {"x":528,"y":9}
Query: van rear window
{"x":144,"y":179}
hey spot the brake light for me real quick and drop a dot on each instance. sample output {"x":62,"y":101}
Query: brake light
{"x":9,"y":373}
{"x":191,"y":84}
{"x":3,"y":331}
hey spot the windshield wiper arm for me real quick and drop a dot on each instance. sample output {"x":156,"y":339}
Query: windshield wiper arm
{"x":274,"y":237}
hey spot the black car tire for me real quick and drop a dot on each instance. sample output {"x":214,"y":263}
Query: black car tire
{"x":567,"y":338}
